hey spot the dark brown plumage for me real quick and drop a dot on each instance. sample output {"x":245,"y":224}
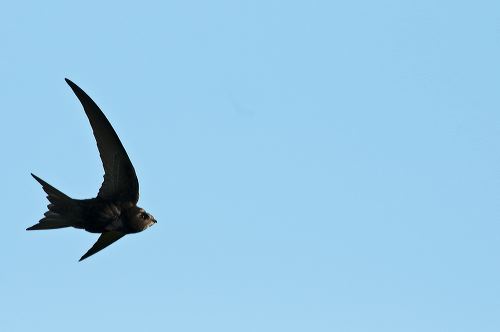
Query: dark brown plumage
{"x":114,"y":212}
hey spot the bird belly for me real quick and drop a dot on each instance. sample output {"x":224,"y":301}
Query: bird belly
{"x":115,"y":225}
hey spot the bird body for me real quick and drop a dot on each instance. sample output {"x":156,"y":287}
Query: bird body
{"x":114,"y":212}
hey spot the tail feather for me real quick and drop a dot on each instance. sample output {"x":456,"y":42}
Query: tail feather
{"x":62,"y":209}
{"x":46,"y":223}
{"x":53,"y":195}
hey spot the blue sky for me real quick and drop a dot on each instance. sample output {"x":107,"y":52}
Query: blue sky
{"x":313,"y":165}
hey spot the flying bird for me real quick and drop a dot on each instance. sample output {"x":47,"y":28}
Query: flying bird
{"x":114,"y":212}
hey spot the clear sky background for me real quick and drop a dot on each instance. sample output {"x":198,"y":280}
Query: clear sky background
{"x":313,"y":165}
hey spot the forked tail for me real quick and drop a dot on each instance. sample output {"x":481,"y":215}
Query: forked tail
{"x":63,"y":210}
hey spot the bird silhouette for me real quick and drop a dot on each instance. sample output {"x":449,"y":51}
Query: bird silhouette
{"x":114,"y":212}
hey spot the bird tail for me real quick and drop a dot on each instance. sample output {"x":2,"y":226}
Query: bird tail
{"x":63,"y":210}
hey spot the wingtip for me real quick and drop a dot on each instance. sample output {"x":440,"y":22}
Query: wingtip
{"x":70,"y":82}
{"x":82,"y":96}
{"x":83,"y":257}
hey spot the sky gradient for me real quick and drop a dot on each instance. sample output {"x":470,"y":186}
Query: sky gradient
{"x":313,"y":165}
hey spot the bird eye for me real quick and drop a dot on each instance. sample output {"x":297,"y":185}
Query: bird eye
{"x":144,"y":215}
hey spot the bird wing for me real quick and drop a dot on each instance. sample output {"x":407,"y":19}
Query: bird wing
{"x":120,"y":181}
{"x":103,"y":241}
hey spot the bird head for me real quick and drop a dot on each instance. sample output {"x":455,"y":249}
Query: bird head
{"x":140,"y":219}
